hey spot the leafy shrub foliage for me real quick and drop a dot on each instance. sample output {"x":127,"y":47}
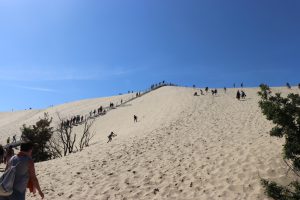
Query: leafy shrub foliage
{"x":284,"y":112}
{"x":39,"y":134}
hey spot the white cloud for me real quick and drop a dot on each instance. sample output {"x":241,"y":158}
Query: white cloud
{"x":61,"y":74}
{"x":40,"y":89}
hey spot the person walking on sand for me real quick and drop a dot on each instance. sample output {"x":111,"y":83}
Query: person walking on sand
{"x":135,"y":118}
{"x":110,"y":136}
{"x":25,"y":176}
{"x":14,"y":139}
{"x":201,"y":92}
{"x":238,"y":95}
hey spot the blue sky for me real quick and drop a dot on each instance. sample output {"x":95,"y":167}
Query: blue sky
{"x":52,"y":52}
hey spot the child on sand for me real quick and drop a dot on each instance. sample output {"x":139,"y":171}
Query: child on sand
{"x":110,"y":136}
{"x":243,"y":94}
{"x":134,"y":118}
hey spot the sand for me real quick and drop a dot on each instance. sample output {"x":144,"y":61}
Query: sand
{"x":182,"y":147}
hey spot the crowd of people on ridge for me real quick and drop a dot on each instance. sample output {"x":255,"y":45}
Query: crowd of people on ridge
{"x":239,"y":95}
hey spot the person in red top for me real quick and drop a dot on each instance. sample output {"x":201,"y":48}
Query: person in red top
{"x":25,"y":174}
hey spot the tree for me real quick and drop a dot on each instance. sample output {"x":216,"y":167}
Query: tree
{"x":64,"y":141}
{"x":284,"y":112}
{"x":39,"y":134}
{"x":87,"y":135}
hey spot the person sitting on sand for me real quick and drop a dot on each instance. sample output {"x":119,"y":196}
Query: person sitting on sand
{"x":195,"y":94}
{"x":243,"y":95}
{"x":214,"y":92}
{"x":111,"y":105}
{"x":110,"y":136}
{"x":25,"y":174}
{"x":238,"y":95}
{"x":135,"y":118}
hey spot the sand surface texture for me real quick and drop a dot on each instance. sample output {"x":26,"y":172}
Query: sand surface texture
{"x":182,"y":147}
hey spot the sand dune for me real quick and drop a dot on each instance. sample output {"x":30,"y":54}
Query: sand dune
{"x":183,"y":147}
{"x":10,"y":122}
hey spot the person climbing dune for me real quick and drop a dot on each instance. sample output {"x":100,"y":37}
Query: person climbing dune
{"x":110,"y":136}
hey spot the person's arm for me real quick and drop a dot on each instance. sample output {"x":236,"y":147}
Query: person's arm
{"x":34,"y":178}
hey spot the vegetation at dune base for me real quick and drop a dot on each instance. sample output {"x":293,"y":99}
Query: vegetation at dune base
{"x":50,"y":143}
{"x":39,"y":134}
{"x":284,"y":112}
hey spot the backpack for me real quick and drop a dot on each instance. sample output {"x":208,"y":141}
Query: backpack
{"x":7,"y":181}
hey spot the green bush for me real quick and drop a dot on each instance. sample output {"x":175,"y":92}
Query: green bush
{"x":284,"y":112}
{"x":39,"y":134}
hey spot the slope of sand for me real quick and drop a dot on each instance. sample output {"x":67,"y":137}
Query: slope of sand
{"x":10,"y":122}
{"x":183,"y":147}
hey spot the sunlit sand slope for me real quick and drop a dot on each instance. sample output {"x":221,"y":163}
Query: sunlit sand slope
{"x":182,"y":147}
